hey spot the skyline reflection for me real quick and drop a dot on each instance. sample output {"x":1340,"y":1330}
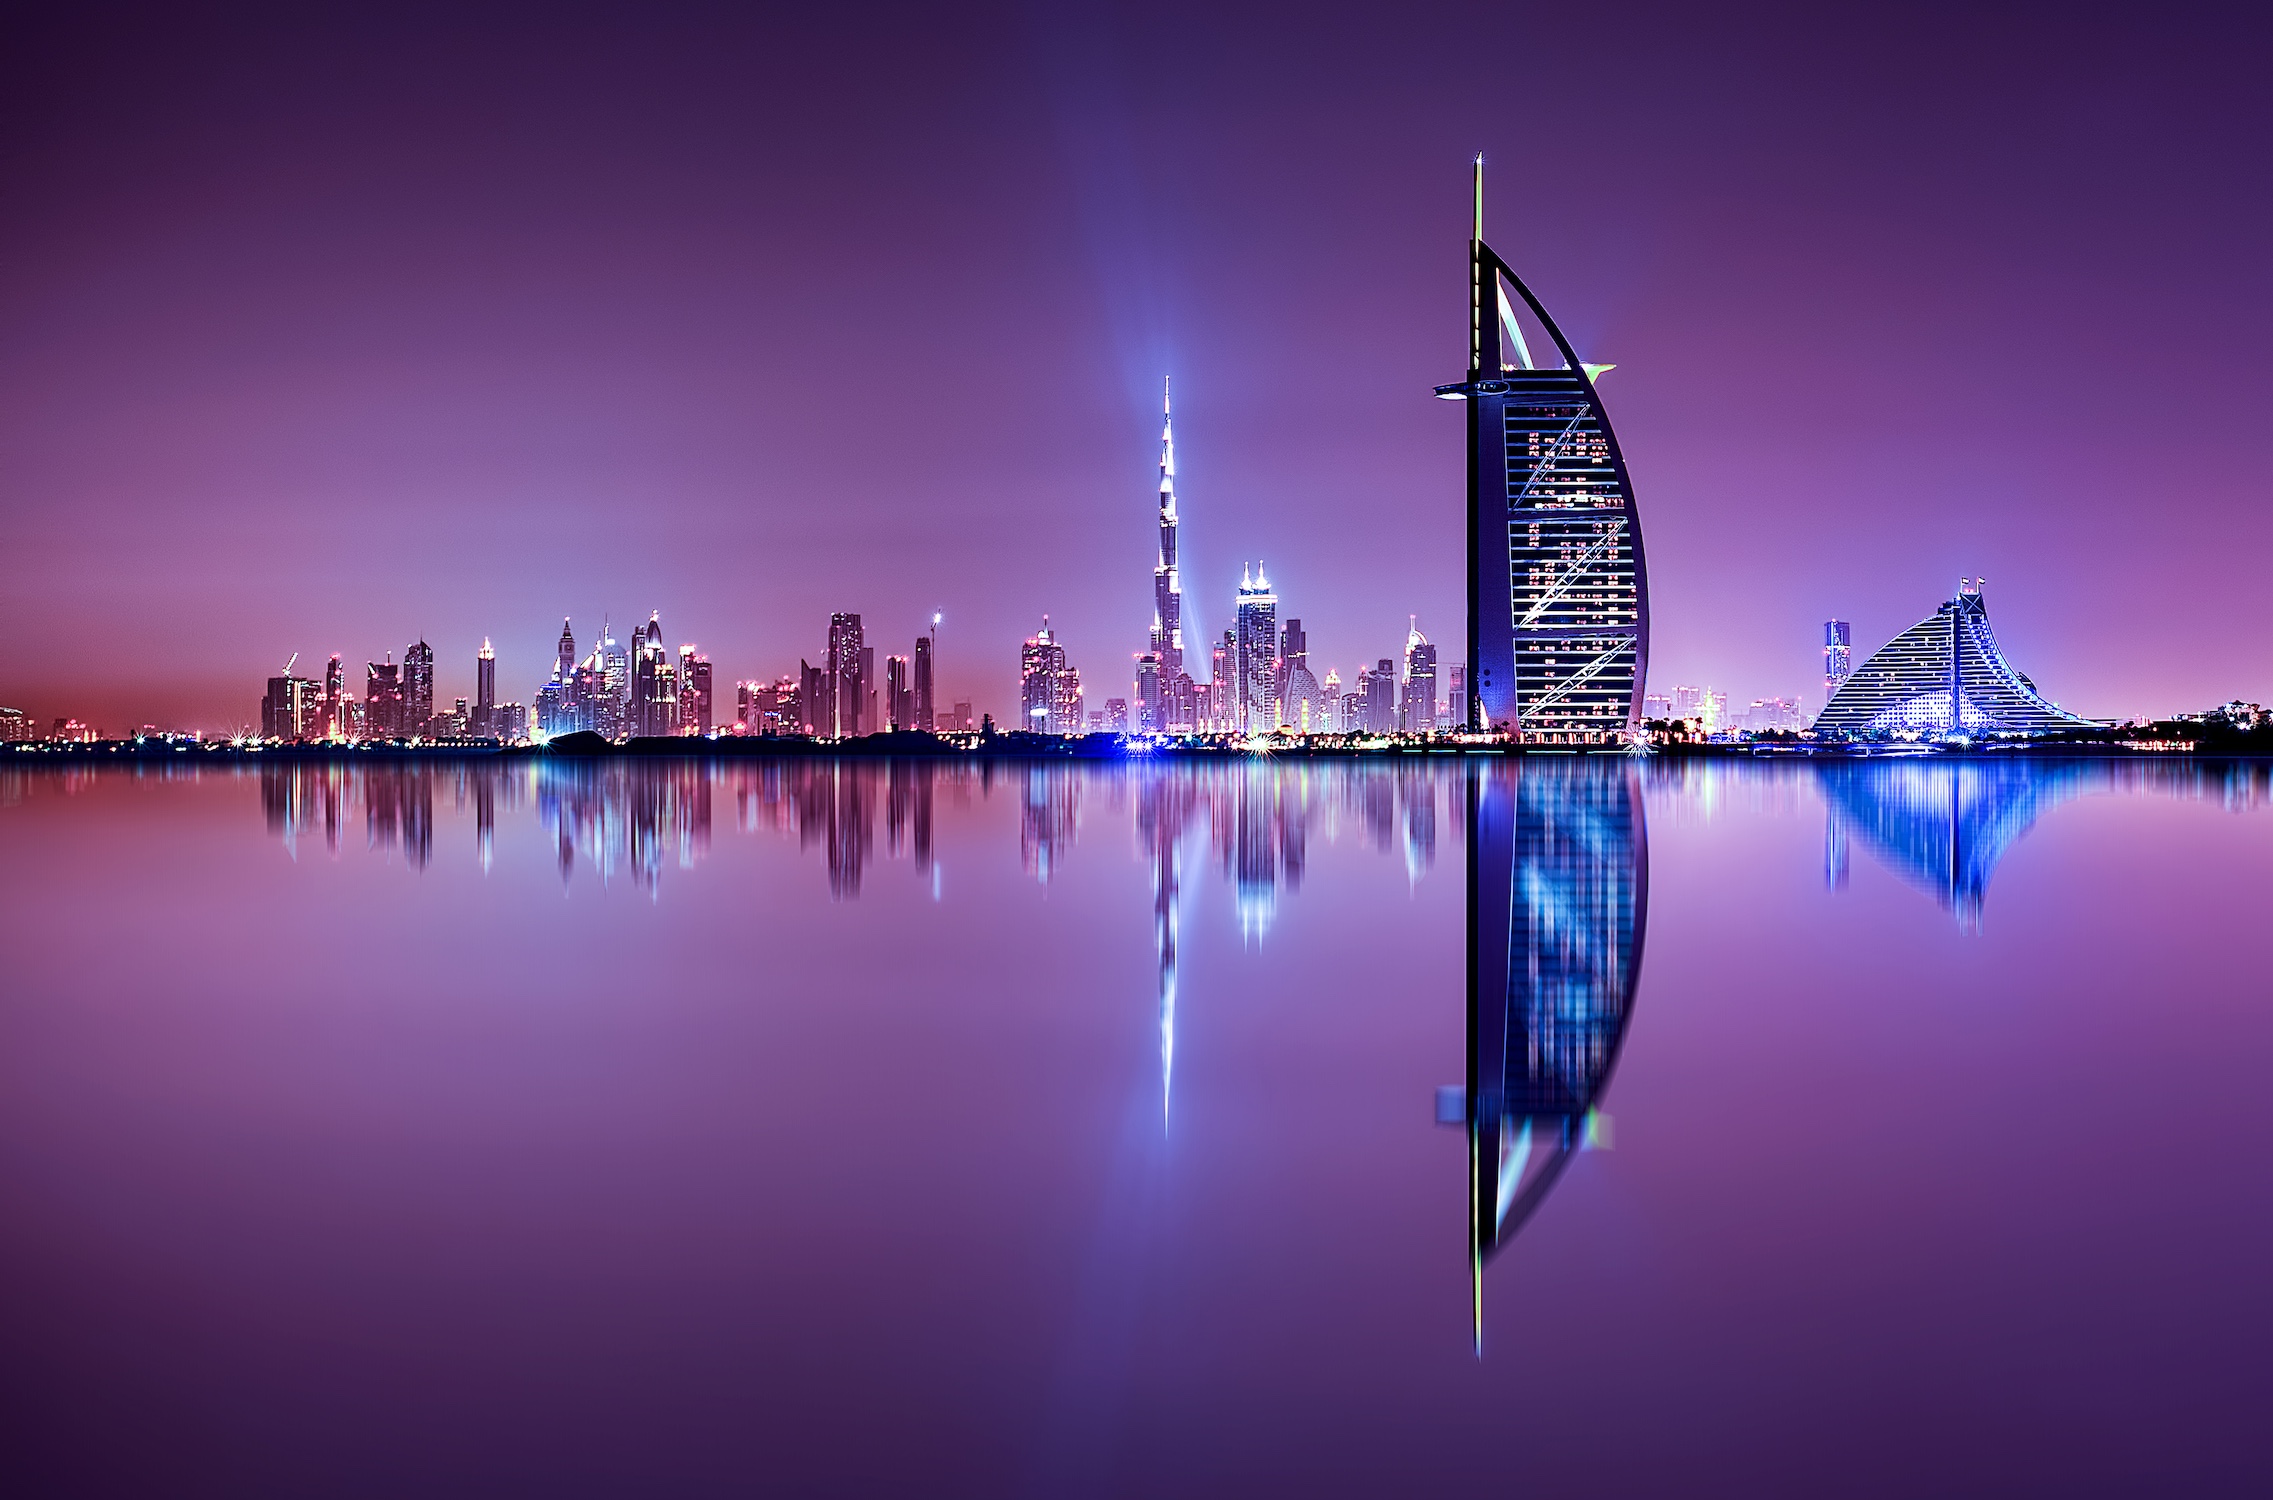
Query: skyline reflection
{"x":1943,"y":825}
{"x":1556,"y":860}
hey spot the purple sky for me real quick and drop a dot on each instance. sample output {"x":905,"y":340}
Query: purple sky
{"x":326,"y":335}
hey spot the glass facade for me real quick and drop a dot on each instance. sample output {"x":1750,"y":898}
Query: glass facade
{"x":1558,"y":596}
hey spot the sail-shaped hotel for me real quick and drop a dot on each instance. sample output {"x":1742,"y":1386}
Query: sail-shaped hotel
{"x":1558,"y":598}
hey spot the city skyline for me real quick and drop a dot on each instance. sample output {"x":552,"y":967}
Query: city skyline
{"x":318,"y":376}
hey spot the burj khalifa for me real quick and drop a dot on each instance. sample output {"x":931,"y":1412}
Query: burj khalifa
{"x":1163,"y":691}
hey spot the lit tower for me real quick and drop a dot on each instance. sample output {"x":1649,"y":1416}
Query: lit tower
{"x":1838,"y":655}
{"x":1558,"y":600}
{"x":567,"y":667}
{"x":485,"y":688}
{"x":1167,"y":591}
{"x":1256,"y":709}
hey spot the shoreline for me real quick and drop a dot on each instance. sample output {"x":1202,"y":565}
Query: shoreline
{"x":1096,"y":748}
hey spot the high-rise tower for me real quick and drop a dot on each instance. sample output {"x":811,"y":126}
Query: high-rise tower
{"x":1167,"y":590}
{"x":485,"y":689}
{"x":1558,"y":599}
{"x":1838,"y":655}
{"x":418,"y":688}
{"x":925,"y":719}
{"x":1255,"y":708}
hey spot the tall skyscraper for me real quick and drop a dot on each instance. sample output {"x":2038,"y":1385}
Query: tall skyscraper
{"x":654,"y":682}
{"x":696,"y":711}
{"x":1456,"y":696}
{"x":1302,"y":705}
{"x":566,"y":653}
{"x":1420,"y":683}
{"x":485,"y":689}
{"x":383,"y":699}
{"x":1167,"y":588}
{"x":418,"y":688}
{"x":1151,"y":696}
{"x":1049,"y":690}
{"x":1558,"y":597}
{"x":1838,"y":656}
{"x":925,"y":719}
{"x":845,"y":648}
{"x":291,"y":709}
{"x":334,"y":724}
{"x":899,"y":699}
{"x":1255,"y":633}
{"x":1380,"y":689}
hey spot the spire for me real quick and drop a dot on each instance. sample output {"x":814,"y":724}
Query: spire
{"x":1477,"y":234}
{"x":1167,"y":450}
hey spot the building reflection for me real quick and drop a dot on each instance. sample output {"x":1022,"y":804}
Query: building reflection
{"x":1943,"y":824}
{"x":1558,"y":894}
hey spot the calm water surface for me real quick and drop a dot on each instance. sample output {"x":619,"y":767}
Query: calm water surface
{"x":1228,"y":1130}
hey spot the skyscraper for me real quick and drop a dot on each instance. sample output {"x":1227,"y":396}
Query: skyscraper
{"x":566,"y":653}
{"x":334,"y":724}
{"x":1301,"y":705}
{"x":290,"y":709}
{"x":1838,"y":656}
{"x":1049,"y":691}
{"x":1255,"y":632}
{"x":1380,"y":689}
{"x":1420,"y":682}
{"x":695,"y":707}
{"x":1167,"y":589}
{"x":899,"y":701}
{"x":845,"y":648}
{"x":485,"y":689}
{"x":383,"y":699}
{"x":925,"y":719}
{"x":1152,"y":699}
{"x":654,"y":682}
{"x":1558,"y":597}
{"x":418,"y":688}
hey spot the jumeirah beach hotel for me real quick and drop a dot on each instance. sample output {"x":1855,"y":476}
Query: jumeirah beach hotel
{"x":1558,"y":599}
{"x":1942,"y":678}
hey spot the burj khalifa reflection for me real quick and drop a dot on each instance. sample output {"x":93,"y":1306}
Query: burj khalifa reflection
{"x":1558,"y":893}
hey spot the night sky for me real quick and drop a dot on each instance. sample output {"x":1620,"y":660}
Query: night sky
{"x":329,"y":333}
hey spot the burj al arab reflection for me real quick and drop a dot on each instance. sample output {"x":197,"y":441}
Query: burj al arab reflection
{"x":1558,"y":892}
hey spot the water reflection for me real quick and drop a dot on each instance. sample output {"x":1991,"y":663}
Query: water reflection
{"x":635,"y":818}
{"x":1942,"y":825}
{"x":1558,"y":896}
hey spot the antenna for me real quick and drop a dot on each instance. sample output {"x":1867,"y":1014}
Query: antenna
{"x":1478,"y":233}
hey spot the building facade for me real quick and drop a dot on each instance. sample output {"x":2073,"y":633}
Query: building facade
{"x":926,"y":717}
{"x":1558,"y":597}
{"x":1838,"y":656}
{"x":1049,"y":690}
{"x":1255,"y":705}
{"x":485,"y":690}
{"x":1419,"y":712}
{"x":1943,"y":678}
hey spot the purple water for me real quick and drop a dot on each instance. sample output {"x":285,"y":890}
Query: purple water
{"x":841,"y":1129}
